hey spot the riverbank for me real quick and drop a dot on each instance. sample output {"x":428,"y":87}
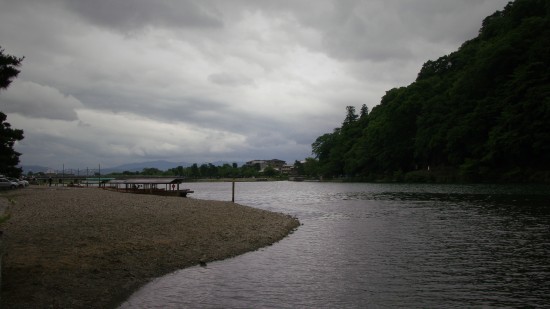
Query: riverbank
{"x":91,"y":248}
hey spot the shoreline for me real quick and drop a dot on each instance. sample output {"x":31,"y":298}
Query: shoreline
{"x":92,"y":248}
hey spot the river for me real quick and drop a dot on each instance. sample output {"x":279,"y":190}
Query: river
{"x":377,"y":246}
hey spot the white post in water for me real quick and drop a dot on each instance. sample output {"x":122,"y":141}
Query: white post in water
{"x":233,"y":191}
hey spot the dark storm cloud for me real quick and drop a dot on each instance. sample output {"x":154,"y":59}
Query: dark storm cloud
{"x":356,"y":30}
{"x":131,"y":15}
{"x":37,"y":101}
{"x":137,"y":80}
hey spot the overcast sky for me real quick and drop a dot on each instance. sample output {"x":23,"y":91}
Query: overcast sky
{"x":120,"y":81}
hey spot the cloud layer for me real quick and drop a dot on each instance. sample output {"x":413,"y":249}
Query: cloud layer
{"x":122,"y":81}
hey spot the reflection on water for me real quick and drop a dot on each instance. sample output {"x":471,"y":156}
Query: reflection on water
{"x":377,"y":245}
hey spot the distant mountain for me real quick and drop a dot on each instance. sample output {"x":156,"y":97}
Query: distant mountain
{"x":221,"y":163}
{"x":130,"y":167}
{"x":139,"y":166}
{"x":34,"y":169}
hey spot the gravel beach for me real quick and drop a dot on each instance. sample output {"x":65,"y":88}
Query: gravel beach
{"x":92,"y":248}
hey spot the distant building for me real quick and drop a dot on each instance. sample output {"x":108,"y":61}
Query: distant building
{"x":50,"y":172}
{"x":288,"y":169}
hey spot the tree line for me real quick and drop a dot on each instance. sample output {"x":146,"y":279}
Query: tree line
{"x":481,"y":113}
{"x":9,"y":158}
{"x":208,"y":171}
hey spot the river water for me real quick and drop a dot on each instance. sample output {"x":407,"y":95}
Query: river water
{"x":377,"y":246}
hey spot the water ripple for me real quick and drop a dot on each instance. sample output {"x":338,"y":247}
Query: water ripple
{"x":376,"y":245}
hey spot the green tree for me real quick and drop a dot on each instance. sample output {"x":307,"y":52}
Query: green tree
{"x":225,"y":171}
{"x":311,"y":167}
{"x":299,"y":168}
{"x":270,"y":171}
{"x":364,"y":111}
{"x":9,"y":158}
{"x":250,"y":171}
{"x":481,"y":113}
{"x":195,"y":172}
{"x":179,"y":171}
{"x":9,"y":68}
{"x":203,"y":170}
{"x":328,"y":149}
{"x":151,"y":171}
{"x":351,"y":116}
{"x":213,"y":170}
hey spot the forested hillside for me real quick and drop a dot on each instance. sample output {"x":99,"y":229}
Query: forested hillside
{"x":479,"y":114}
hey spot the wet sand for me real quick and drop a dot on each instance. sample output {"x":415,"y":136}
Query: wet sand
{"x":92,"y":248}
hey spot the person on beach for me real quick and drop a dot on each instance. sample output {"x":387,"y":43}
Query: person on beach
{"x":50,"y":181}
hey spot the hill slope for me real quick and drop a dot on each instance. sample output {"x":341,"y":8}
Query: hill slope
{"x":481,"y":113}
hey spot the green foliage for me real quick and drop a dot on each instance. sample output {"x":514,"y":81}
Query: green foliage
{"x":351,"y":115}
{"x":9,"y":158}
{"x":151,"y":171}
{"x":311,"y":167}
{"x":8,"y":68}
{"x":211,"y":171}
{"x":299,"y":168}
{"x":204,"y":171}
{"x":270,"y":171}
{"x":481,"y":113}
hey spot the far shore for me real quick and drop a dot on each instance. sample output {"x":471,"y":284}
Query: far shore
{"x":92,"y":248}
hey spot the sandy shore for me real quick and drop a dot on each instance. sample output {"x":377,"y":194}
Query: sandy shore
{"x":91,"y":248}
